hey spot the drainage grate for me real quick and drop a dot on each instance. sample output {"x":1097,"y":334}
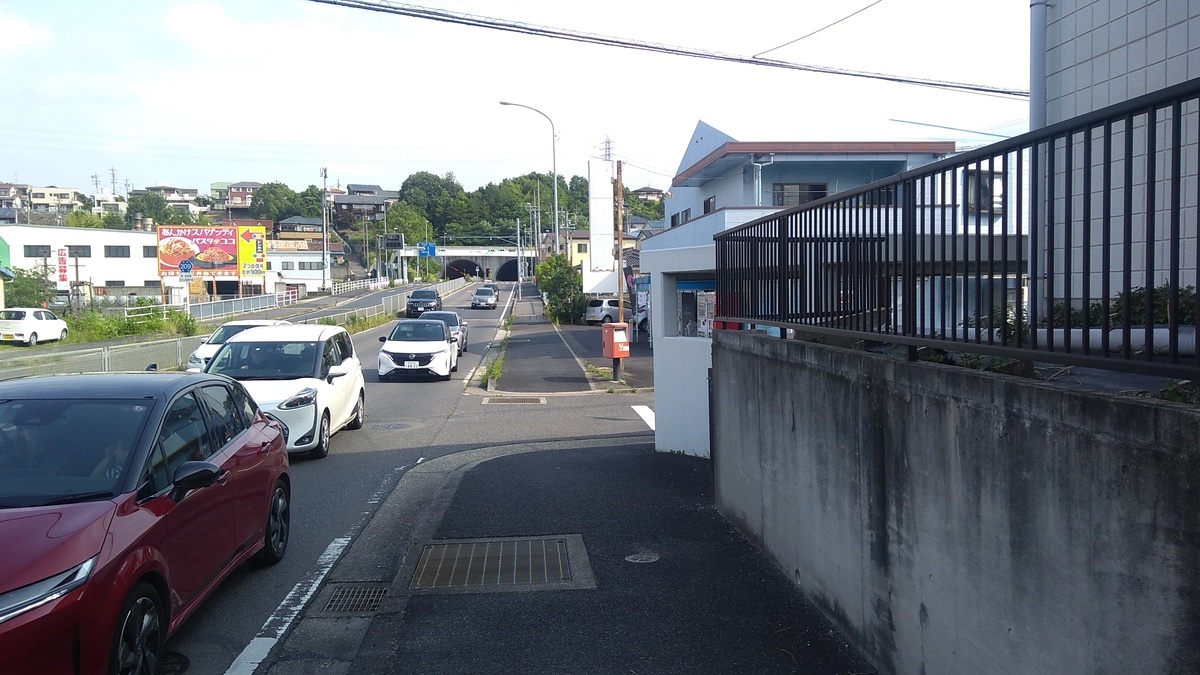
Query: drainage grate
{"x":355,"y":599}
{"x":514,"y":399}
{"x":524,"y":563}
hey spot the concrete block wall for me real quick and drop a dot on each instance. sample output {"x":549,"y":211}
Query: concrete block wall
{"x":953,"y":521}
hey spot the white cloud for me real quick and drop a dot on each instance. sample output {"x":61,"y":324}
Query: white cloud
{"x":20,"y":34}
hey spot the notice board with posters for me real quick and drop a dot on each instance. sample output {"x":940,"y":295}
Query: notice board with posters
{"x":214,"y":251}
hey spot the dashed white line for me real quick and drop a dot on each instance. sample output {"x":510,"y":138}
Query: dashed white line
{"x":646,"y":414}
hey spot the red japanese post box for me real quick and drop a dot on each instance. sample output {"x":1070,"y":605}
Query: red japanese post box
{"x":615,"y":340}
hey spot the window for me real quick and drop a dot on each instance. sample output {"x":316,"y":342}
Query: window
{"x":985,"y":191}
{"x":287,"y":265}
{"x":37,"y":251}
{"x":345,"y":345}
{"x":79,"y":251}
{"x":152,"y":283}
{"x":183,"y":437}
{"x":116,"y":251}
{"x":115,"y":283}
{"x":268,"y":265}
{"x":795,"y":194}
{"x":710,"y":204}
{"x":149,"y":251}
{"x":581,"y":247}
{"x":310,"y":265}
{"x":227,"y":415}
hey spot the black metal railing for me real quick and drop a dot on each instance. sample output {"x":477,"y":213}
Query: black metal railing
{"x":1075,"y":244}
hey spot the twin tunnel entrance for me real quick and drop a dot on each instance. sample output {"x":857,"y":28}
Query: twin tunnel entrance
{"x":464,"y":267}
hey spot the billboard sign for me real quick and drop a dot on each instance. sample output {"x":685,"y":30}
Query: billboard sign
{"x":212,"y":251}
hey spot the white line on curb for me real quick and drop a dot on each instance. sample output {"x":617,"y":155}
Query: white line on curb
{"x":278,"y":623}
{"x":646,"y":414}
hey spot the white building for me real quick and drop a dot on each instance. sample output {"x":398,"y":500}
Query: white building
{"x":116,"y":260}
{"x":297,"y":263}
{"x":723,"y":183}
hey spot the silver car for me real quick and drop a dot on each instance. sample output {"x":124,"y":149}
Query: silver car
{"x":483,"y":297}
{"x":458,"y":326}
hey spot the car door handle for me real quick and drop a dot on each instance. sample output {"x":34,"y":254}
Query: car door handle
{"x":266,"y":445}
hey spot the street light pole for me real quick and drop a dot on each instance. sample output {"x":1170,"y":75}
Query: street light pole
{"x":553,"y":164}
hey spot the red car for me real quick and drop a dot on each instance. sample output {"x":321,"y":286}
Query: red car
{"x":125,"y":499}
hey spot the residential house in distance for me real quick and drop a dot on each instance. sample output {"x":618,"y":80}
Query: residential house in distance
{"x":14,"y":195}
{"x":363,"y":189}
{"x":241,"y":195}
{"x":649,"y":194}
{"x":105,"y":203}
{"x":218,"y":194}
{"x":179,"y":199}
{"x":299,"y":227}
{"x":723,"y":183}
{"x":54,"y":199}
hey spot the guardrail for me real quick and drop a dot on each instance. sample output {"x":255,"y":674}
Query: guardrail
{"x":172,"y":353}
{"x":217,"y":309}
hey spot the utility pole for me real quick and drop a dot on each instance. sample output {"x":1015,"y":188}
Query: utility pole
{"x":112,"y":173}
{"x":620,"y":266}
{"x":324,"y":228}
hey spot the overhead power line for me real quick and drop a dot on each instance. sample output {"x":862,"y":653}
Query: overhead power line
{"x":417,"y":12}
{"x":826,"y":26}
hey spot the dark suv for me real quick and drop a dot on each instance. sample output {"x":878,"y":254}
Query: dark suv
{"x":423,"y":300}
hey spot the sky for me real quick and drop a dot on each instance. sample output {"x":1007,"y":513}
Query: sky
{"x":187,"y":93}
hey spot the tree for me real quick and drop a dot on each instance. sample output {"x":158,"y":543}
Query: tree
{"x":83,"y":219}
{"x":29,"y":288}
{"x":115,"y":221}
{"x":563,"y":286}
{"x":310,"y":202}
{"x":275,"y":202}
{"x":87,"y":203}
{"x":150,"y":205}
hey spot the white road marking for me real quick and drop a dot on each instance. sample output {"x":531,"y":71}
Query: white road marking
{"x":646,"y":413}
{"x":278,"y":623}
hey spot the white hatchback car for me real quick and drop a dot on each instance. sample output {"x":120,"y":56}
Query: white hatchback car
{"x":306,"y":376}
{"x":418,"y":347}
{"x":31,"y":325}
{"x":209,"y":345}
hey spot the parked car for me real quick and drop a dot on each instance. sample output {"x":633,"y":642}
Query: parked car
{"x":483,"y":297}
{"x":422,"y":300}
{"x":31,"y":325}
{"x":458,"y":327}
{"x":418,"y":347}
{"x":308,"y":376}
{"x":125,"y":498}
{"x":641,"y":318}
{"x":209,"y":345}
{"x":604,"y":310}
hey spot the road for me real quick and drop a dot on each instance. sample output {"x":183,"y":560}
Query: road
{"x":332,"y":498}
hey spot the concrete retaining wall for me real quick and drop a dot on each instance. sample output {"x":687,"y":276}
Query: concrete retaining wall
{"x":954,"y":521}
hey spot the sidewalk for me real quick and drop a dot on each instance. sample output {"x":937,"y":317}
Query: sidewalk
{"x":593,"y":554}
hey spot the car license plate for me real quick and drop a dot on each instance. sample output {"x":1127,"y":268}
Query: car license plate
{"x":8,"y":336}
{"x":411,"y":364}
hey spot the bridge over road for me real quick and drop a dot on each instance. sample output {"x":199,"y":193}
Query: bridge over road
{"x":498,"y":263}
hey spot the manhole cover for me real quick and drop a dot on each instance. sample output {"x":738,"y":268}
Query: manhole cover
{"x":350,"y":598}
{"x":387,"y":425}
{"x":642,"y":558}
{"x":508,"y":564}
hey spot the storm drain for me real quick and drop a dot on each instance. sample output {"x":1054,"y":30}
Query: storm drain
{"x":509,"y":564}
{"x":355,"y":599}
{"x":527,"y":400}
